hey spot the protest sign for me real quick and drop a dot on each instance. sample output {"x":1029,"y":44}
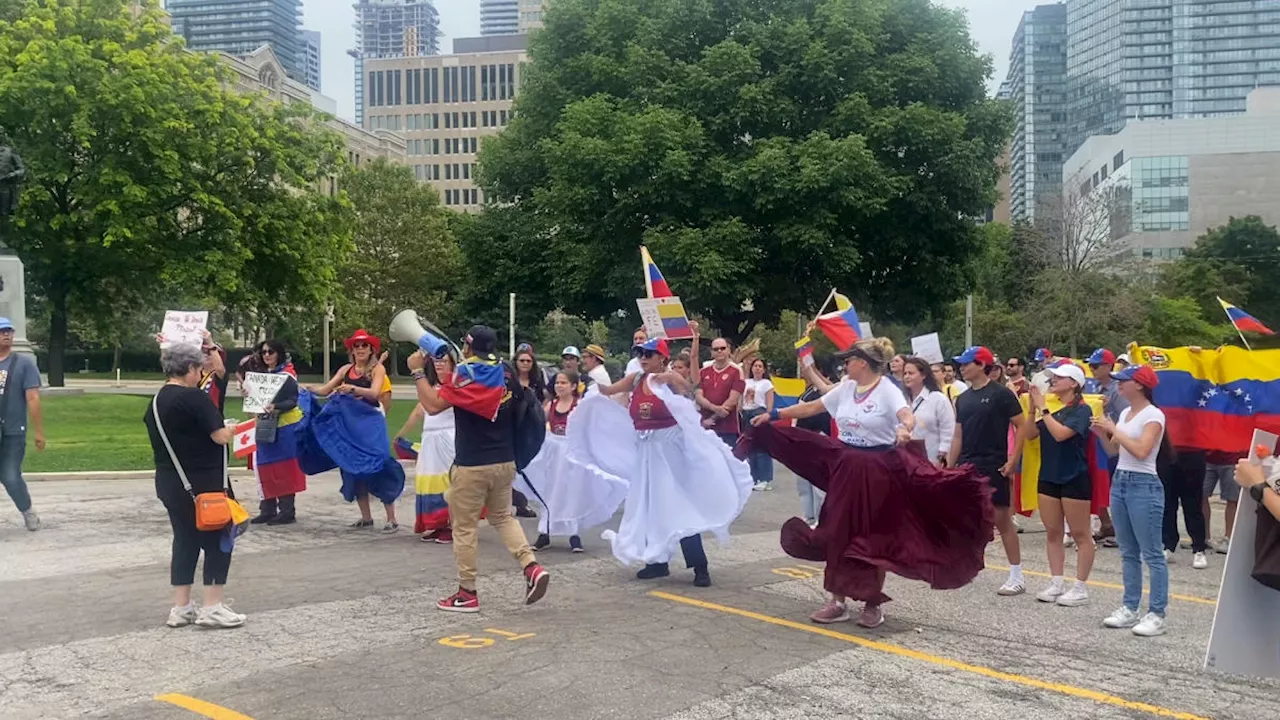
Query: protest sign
{"x":928,"y":347}
{"x":664,"y":318}
{"x":183,"y":327}
{"x":260,"y":390}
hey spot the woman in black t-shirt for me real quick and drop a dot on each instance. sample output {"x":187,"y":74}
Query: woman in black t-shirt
{"x":198,"y":438}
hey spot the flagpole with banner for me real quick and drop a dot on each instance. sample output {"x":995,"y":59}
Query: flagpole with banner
{"x":825,"y":303}
{"x":1232,"y":320}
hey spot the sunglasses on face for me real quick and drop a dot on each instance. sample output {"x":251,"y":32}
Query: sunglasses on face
{"x":718,"y":348}
{"x":266,"y":352}
{"x":357,"y":346}
{"x":524,"y":361}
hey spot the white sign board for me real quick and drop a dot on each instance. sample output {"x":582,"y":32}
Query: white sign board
{"x":650,"y":318}
{"x":260,"y":390}
{"x":1245,"y":639}
{"x":928,"y":347}
{"x":182,"y":327}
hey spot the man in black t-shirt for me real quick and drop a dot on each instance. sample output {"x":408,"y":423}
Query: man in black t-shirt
{"x":484,"y":462}
{"x":983,"y":416}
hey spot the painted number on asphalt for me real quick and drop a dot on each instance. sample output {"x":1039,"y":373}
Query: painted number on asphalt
{"x":474,"y":642}
{"x":798,"y":572}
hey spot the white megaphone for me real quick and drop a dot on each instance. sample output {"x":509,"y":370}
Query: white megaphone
{"x":406,"y":326}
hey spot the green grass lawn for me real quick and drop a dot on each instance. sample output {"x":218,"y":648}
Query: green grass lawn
{"x":92,"y":432}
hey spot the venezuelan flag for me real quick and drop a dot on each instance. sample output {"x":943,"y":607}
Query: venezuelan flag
{"x":841,"y":327}
{"x":787,"y":391}
{"x":406,"y":449}
{"x":1243,"y":321}
{"x":1026,"y":482}
{"x":654,"y":282}
{"x":1215,"y":399}
{"x":804,"y":347}
{"x":479,"y":387}
{"x":675,"y":324}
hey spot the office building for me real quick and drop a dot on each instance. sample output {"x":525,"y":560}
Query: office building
{"x":1036,"y":86}
{"x":499,"y":17}
{"x":531,"y":15}
{"x":392,"y":29}
{"x":1179,"y":178}
{"x":311,"y":58}
{"x":240,"y":27}
{"x":1157,"y":59}
{"x":445,"y":105}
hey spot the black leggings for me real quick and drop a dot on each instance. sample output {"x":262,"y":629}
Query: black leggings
{"x":188,"y":542}
{"x":1186,"y":484}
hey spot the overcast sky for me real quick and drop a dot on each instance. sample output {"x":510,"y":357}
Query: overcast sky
{"x":991,"y":22}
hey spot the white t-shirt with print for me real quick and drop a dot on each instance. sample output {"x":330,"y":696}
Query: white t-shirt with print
{"x":869,"y":423}
{"x":755,"y":394}
{"x":1132,"y":426}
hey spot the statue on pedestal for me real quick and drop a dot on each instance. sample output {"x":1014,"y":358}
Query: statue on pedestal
{"x":13,"y":301}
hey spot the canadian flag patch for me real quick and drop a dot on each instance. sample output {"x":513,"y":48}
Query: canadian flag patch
{"x":245,"y":440}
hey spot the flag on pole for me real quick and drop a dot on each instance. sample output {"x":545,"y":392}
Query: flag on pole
{"x":654,"y":283}
{"x":804,"y":347}
{"x":842,"y":302}
{"x":1243,"y":321}
{"x":841,"y":327}
{"x":245,"y":440}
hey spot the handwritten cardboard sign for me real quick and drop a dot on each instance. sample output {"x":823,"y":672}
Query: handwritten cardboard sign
{"x":261,"y":390}
{"x":183,"y":327}
{"x":928,"y":347}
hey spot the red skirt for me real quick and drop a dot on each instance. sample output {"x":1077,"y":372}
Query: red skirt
{"x":890,"y":510}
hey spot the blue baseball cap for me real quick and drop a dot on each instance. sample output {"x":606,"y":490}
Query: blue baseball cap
{"x":6,"y":324}
{"x":1042,"y":355}
{"x":978,"y":354}
{"x":1102,"y":356}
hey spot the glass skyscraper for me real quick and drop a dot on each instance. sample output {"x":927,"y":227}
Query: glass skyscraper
{"x":1152,"y":59}
{"x":1037,"y":87}
{"x":238,"y":27}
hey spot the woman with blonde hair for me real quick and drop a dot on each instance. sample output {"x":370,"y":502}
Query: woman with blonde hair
{"x":880,"y":497}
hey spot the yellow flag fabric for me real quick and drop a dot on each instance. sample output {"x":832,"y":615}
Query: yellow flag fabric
{"x":1028,"y":497}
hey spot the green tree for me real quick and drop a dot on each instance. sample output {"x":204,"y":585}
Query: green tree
{"x":405,"y":254}
{"x":1238,"y":262}
{"x":764,"y":151}
{"x":149,"y":179}
{"x":1174,"y":322}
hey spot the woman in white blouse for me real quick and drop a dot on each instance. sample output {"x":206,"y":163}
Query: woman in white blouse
{"x":935,"y":419}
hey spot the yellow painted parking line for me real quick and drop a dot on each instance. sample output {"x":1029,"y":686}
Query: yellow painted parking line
{"x":202,"y":708}
{"x":1111,"y":586}
{"x":890,"y":648}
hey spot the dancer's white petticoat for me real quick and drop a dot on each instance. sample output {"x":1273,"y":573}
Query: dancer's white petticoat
{"x":682,"y":480}
{"x":574,"y":496}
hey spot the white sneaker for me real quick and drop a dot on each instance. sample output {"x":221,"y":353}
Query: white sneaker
{"x":1200,"y":562}
{"x":1151,"y":626}
{"x":31,"y":520}
{"x":1122,"y":618}
{"x":219,"y":616}
{"x":1051,"y":593}
{"x":768,"y":486}
{"x":1168,"y":557}
{"x":757,"y":487}
{"x":1223,"y":546}
{"x":1012,"y":586}
{"x":1075,"y":597}
{"x":181,"y":616}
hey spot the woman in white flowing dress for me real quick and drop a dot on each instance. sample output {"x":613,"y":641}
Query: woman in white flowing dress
{"x":682,"y":479}
{"x":573,"y":496}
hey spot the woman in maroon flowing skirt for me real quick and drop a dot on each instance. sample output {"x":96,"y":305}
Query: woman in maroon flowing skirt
{"x":888,"y":509}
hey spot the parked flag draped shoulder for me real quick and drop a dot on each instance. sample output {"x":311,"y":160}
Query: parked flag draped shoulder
{"x":1026,"y":482}
{"x":841,"y":327}
{"x":655,"y":284}
{"x":478,"y":387}
{"x":1215,"y":399}
{"x":1243,"y":321}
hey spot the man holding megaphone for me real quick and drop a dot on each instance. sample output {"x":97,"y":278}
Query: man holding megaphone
{"x":485,"y":461}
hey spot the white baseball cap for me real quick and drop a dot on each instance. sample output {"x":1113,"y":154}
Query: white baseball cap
{"x":1069,"y":370}
{"x":570,"y":351}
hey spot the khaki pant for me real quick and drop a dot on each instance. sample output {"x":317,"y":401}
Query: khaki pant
{"x":471,"y":489}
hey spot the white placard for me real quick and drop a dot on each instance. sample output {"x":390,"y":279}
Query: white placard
{"x":183,"y":327}
{"x":651,"y":318}
{"x":928,"y":347}
{"x":260,"y":390}
{"x":864,"y":330}
{"x":1245,"y":639}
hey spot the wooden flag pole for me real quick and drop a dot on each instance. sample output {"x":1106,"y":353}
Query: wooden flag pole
{"x":825,"y":303}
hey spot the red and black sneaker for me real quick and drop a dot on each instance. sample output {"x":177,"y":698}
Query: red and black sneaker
{"x":444,"y":537}
{"x":463,"y":601}
{"x":535,"y":583}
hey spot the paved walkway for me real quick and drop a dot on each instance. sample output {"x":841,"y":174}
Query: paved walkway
{"x":341,"y":625}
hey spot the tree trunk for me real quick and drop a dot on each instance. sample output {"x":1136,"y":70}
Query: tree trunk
{"x":58,"y":336}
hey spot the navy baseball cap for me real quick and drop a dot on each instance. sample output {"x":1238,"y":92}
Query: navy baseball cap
{"x":1102,"y":356}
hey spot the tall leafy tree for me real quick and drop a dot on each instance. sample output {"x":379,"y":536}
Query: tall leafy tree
{"x":149,"y":178}
{"x":765,"y":150}
{"x":1239,"y":262}
{"x":405,"y":254}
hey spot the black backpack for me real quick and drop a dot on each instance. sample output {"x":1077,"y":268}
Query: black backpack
{"x":528,"y":421}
